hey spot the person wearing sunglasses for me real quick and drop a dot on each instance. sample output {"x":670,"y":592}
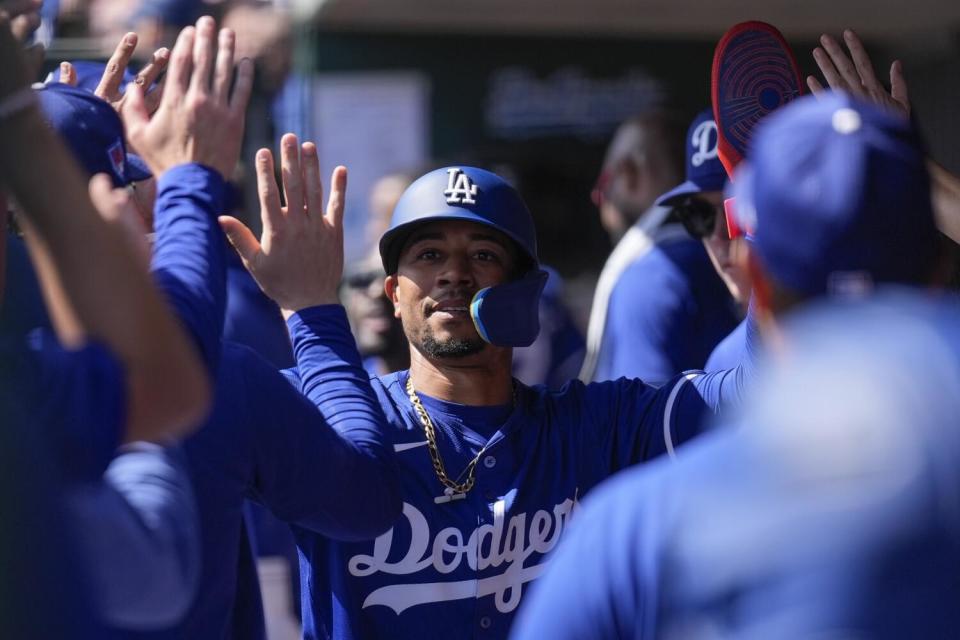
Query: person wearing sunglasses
{"x":667,"y":309}
{"x":698,"y":205}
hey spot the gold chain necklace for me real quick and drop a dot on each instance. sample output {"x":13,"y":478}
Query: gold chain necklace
{"x":454,"y":490}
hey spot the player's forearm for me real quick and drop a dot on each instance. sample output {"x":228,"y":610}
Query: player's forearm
{"x":189,"y":254}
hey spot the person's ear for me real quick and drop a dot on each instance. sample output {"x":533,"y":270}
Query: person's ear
{"x":390,"y":288}
{"x":632,"y":174}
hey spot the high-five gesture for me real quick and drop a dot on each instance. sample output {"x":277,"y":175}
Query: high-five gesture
{"x":298,"y":260}
{"x":855,"y":75}
{"x":199,"y":118}
{"x":109,"y":86}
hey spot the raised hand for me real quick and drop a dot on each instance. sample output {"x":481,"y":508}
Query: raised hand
{"x":199,"y":118}
{"x":855,"y":74}
{"x":109,"y":86}
{"x":298,"y":261}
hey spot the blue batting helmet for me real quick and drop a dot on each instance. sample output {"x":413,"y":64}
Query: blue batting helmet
{"x":459,"y":193}
{"x":505,"y":315}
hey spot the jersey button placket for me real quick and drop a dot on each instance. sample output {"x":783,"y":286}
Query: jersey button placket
{"x":489,"y":462}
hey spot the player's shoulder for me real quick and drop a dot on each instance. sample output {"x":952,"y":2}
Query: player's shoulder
{"x":597,"y":399}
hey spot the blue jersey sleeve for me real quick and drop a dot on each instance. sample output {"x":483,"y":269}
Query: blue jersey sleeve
{"x":139,"y":529}
{"x":636,"y":422}
{"x":730,"y":352}
{"x":189,"y":256}
{"x":78,"y":397}
{"x":725,"y":388}
{"x":333,"y":378}
{"x":633,"y":422}
{"x":322,"y":461}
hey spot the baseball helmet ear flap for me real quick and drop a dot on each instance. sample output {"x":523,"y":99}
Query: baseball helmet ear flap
{"x":508,"y":315}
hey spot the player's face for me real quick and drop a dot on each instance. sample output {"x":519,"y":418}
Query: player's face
{"x":722,"y":251}
{"x":442,"y":265}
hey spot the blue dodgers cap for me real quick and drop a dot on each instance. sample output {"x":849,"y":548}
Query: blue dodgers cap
{"x":837,"y":196}
{"x":705,"y":172}
{"x":93,"y":130}
{"x":459,"y":193}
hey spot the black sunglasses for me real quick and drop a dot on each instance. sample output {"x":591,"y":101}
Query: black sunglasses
{"x":697,"y":216}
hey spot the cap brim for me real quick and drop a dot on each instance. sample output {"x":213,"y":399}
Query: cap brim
{"x":678,"y":193}
{"x":136,"y":169}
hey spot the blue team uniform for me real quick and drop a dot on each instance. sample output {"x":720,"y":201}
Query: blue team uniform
{"x":254,"y":320}
{"x":29,"y":311}
{"x":460,"y":567}
{"x":666,"y":313}
{"x":730,"y":352}
{"x":38,"y":555}
{"x":325,"y":470}
{"x":822,"y":518}
{"x":147,"y":543}
{"x":265,"y":440}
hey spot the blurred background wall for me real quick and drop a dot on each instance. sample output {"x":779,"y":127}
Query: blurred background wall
{"x":530,"y":88}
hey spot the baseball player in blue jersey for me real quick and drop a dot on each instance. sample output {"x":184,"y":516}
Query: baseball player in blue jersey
{"x":102,"y":382}
{"x":490,"y":470}
{"x":751,"y":534}
{"x":659,"y":308}
{"x":698,"y":205}
{"x":265,"y":440}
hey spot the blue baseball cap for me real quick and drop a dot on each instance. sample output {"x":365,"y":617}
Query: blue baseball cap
{"x":836,"y":194}
{"x":704,"y":169}
{"x":93,"y":131}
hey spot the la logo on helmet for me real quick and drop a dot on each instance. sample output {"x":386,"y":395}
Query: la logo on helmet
{"x":460,"y":190}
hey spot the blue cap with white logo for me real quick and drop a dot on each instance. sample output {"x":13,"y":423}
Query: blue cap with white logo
{"x":93,"y":131}
{"x":704,"y":170}
{"x":836,"y":194}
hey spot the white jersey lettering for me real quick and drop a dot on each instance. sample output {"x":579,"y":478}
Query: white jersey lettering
{"x":488,"y":546}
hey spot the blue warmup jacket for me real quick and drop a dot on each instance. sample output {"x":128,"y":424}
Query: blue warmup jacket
{"x":458,"y":569}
